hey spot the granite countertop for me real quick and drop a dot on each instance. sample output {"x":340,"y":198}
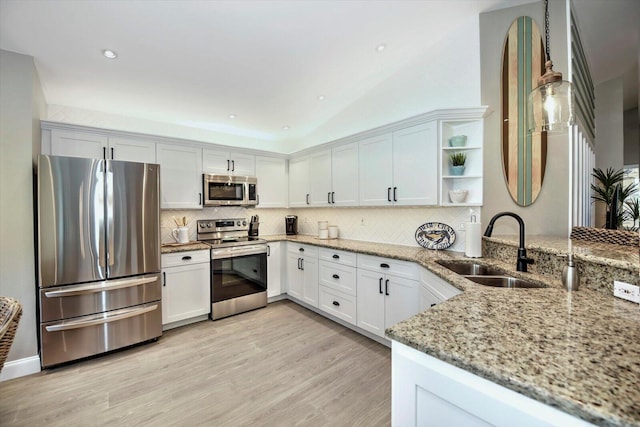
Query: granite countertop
{"x":169,"y":248}
{"x":579,"y":351}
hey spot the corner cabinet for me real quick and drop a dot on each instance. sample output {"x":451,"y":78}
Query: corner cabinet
{"x":272,"y":182}
{"x":185,"y":285}
{"x":471,"y":179}
{"x":302,"y":273}
{"x":180,"y":176}
{"x":400,"y":168}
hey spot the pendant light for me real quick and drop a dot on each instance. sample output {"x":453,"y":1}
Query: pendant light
{"x":550,"y":105}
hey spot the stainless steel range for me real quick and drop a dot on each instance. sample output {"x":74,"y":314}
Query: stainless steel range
{"x":238,"y":266}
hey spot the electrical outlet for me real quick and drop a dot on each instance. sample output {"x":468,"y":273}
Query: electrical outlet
{"x":462,"y":226}
{"x":626,"y":291}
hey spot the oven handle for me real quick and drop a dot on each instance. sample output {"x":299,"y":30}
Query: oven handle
{"x":236,"y":252}
{"x":99,"y":287}
{"x":76,"y":324}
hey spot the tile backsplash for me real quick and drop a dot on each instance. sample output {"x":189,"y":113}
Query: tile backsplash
{"x":394,"y":225}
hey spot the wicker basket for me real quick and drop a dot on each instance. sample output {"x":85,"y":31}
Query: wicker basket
{"x":602,"y":235}
{"x":10,"y":312}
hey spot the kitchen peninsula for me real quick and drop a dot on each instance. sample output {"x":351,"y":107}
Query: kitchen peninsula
{"x":578,"y":352}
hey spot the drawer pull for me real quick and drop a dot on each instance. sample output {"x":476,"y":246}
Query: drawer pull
{"x":433,"y":305}
{"x":186,"y":258}
{"x":336,"y":303}
{"x":384,"y":265}
{"x":335,"y":276}
{"x":336,"y":256}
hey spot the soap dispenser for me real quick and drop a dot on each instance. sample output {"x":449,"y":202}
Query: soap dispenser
{"x":570,"y":275}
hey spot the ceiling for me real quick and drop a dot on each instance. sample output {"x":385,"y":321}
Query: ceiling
{"x":196,"y":63}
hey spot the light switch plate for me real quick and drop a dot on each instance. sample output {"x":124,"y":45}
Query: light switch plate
{"x":626,"y":291}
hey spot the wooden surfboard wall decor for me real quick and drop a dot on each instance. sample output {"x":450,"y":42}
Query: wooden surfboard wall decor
{"x":523,"y":154}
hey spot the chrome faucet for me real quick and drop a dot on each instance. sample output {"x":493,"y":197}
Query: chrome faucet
{"x":521,"y":264}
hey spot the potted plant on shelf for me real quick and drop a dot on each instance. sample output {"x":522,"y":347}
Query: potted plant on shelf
{"x":456,"y":163}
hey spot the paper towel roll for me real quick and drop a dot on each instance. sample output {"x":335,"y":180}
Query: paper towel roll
{"x":473,"y":240}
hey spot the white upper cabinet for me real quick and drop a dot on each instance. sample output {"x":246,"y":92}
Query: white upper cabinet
{"x":272,"y":182}
{"x":223,"y":162}
{"x":180,"y":176}
{"x":415,"y":165}
{"x":97,"y":146}
{"x":375,"y":168}
{"x":344,"y":175}
{"x":400,"y":168}
{"x":298,"y":182}
{"x":132,"y":150}
{"x":78,"y":144}
{"x":320,"y":178}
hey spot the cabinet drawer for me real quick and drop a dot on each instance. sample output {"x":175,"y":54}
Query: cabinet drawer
{"x":339,"y":277}
{"x":185,"y":258}
{"x":398,"y":268}
{"x":338,"y":304}
{"x":341,"y":257}
{"x":306,"y":250}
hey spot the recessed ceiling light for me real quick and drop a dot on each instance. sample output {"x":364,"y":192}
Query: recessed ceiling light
{"x":321,"y":98}
{"x":232,"y":116}
{"x":109,"y":54}
{"x":286,"y":127}
{"x":381,"y":47}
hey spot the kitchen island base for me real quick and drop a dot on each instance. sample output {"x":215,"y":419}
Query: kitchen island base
{"x":428,"y":391}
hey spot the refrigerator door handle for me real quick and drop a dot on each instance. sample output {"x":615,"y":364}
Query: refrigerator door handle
{"x":119,"y":315}
{"x":109,"y":194}
{"x":110,"y":285}
{"x":98,"y":219}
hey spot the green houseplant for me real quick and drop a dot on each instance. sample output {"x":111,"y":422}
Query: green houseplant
{"x":457,"y":162}
{"x":603,"y":190}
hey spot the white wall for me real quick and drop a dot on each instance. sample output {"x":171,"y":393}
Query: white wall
{"x":549,"y":214}
{"x":609,"y":124}
{"x":21,"y":106}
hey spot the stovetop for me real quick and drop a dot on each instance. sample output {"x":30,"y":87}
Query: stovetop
{"x":233,"y":241}
{"x":221,"y":233}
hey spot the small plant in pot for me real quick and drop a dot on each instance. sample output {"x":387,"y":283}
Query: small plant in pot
{"x":457,"y":161}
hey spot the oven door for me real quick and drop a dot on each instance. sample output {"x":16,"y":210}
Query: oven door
{"x":220,"y":190}
{"x":238,"y":271}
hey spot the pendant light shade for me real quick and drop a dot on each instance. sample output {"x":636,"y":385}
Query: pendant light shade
{"x":550,"y":106}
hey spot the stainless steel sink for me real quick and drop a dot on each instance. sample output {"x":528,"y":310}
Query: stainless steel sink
{"x":471,"y":269}
{"x":504,"y":282}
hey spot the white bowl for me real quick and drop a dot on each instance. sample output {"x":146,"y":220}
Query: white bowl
{"x":458,"y":196}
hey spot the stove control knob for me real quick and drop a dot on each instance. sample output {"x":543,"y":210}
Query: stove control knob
{"x":208,"y":225}
{"x":244,"y":222}
{"x":238,"y":223}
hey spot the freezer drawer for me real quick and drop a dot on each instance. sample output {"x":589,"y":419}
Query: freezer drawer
{"x":67,"y":340}
{"x":64,"y":302}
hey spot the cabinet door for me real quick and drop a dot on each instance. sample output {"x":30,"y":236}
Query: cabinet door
{"x":185,"y":292}
{"x":295,"y":284}
{"x":132,"y":150}
{"x":272,"y":182}
{"x":216,"y":162}
{"x":274,"y":269}
{"x":370,"y":302}
{"x":243,"y":164}
{"x":427,"y":299}
{"x":344,"y":175}
{"x":320,"y":178}
{"x":375,"y":170}
{"x":402,"y":301}
{"x":415,"y":165}
{"x":180,"y":176}
{"x":298,"y":182}
{"x":78,"y":144}
{"x":310,"y":279}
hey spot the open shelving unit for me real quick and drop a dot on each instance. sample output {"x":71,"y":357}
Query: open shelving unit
{"x":471,"y":180}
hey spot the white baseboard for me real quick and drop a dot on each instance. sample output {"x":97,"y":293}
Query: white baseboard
{"x":20,"y":368}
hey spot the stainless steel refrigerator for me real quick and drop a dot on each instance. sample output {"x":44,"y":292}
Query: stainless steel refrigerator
{"x":98,"y":256}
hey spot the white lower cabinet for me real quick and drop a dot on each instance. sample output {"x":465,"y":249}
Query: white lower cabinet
{"x":385,"y":299}
{"x":338,"y":304}
{"x":426,"y":391}
{"x":185,"y":285}
{"x":302,"y":273}
{"x":434,"y":290}
{"x":274,"y":269}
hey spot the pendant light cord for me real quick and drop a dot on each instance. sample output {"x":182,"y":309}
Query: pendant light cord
{"x":546,"y":29}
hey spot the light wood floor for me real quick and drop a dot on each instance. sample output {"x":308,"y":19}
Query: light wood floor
{"x":278,"y":366}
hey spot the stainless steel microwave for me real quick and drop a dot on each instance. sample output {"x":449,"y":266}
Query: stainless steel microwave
{"x":225,"y":190}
